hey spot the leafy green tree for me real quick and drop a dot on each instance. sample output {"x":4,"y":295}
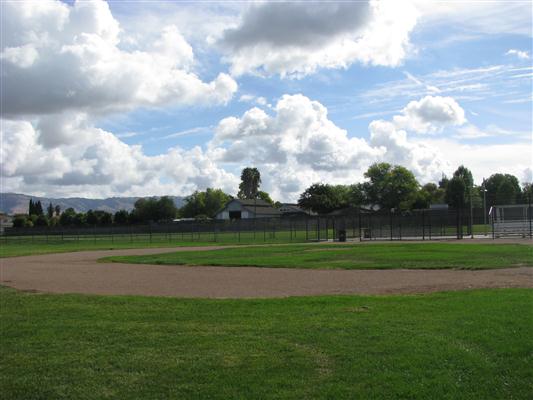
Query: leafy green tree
{"x":204,"y":203}
{"x":456,"y":193}
{"x":91,"y":218}
{"x":321,"y":198}
{"x":502,"y":189}
{"x":165,"y":209}
{"x":464,"y":189}
{"x":41,"y":220}
{"x":527,"y":193}
{"x":19,"y":220}
{"x":104,"y":217}
{"x":80,"y":219}
{"x":355,"y":195}
{"x":250,"y":182}
{"x":121,"y":217}
{"x":443,"y":183}
{"x":67,"y":217}
{"x":265,"y":197}
{"x":390,"y":186}
{"x":153,"y":209}
{"x":436,"y":193}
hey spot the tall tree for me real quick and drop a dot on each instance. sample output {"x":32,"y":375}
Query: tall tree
{"x":50,"y":210}
{"x":459,"y":194}
{"x":250,"y":182}
{"x":204,"y":203}
{"x":390,"y":186}
{"x":265,"y":197}
{"x":502,"y":189}
{"x":121,"y":217}
{"x":39,"y":208}
{"x":321,"y":198}
{"x":31,"y":208}
{"x":58,"y":209}
{"x":153,"y":209}
{"x":67,"y":217}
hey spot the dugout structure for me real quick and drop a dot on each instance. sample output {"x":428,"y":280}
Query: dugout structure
{"x":511,"y":220}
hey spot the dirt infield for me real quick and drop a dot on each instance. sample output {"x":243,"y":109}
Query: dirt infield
{"x":80,"y":273}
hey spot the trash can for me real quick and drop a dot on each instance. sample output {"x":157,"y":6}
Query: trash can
{"x":342,"y":235}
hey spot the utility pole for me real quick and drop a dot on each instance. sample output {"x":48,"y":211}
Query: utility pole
{"x":471,"y":216}
{"x":484,"y":206}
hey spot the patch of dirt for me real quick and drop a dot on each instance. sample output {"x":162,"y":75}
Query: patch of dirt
{"x":81,"y":273}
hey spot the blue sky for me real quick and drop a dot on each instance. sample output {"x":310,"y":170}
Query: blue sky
{"x":152,"y":98}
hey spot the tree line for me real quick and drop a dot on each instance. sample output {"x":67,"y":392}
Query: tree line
{"x":393,"y":187}
{"x":386,"y":186}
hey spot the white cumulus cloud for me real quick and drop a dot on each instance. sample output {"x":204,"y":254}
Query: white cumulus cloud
{"x":296,"y":39}
{"x":521,"y":54}
{"x":430,"y":114}
{"x":56,"y":57}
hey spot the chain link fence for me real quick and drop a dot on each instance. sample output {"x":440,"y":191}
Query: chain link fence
{"x":412,"y":225}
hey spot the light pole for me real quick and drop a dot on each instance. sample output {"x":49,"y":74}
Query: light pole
{"x":471,"y":216}
{"x":484,"y":190}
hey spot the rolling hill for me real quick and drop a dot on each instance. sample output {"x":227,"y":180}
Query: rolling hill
{"x":14,"y":203}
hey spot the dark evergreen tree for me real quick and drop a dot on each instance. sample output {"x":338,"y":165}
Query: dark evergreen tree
{"x":39,"y":208}
{"x":50,"y":210}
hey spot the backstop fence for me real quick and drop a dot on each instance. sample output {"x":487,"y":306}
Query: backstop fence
{"x":502,"y":221}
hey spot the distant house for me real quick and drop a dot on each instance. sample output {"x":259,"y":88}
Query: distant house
{"x":293,"y":210}
{"x":246,"y":209}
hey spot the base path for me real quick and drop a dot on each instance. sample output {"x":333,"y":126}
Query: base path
{"x":81,"y":273}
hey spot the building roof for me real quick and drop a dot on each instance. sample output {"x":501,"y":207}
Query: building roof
{"x":288,"y":208}
{"x":258,"y":207}
{"x":251,"y":202}
{"x":263,"y":210}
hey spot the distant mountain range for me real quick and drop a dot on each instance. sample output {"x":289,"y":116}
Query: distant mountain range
{"x":14,"y":203}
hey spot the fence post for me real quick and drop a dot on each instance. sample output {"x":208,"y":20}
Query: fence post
{"x":492,"y":223}
{"x":429,"y":223}
{"x":423,"y":226}
{"x":360,"y":238}
{"x":400,"y":227}
{"x":306,"y":228}
{"x":390,"y":221}
{"x":529,"y":212}
{"x":318,"y":229}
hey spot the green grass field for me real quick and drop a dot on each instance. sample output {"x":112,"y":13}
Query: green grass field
{"x":356,"y":256}
{"x":23,"y":246}
{"x":468,"y":345}
{"x":45,"y":244}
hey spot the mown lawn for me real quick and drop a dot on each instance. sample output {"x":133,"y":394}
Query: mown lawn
{"x":467,"y":345}
{"x":27,"y":248}
{"x":41,"y":244}
{"x":355,"y":256}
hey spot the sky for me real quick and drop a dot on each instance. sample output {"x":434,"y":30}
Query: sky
{"x":150,"y":98}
